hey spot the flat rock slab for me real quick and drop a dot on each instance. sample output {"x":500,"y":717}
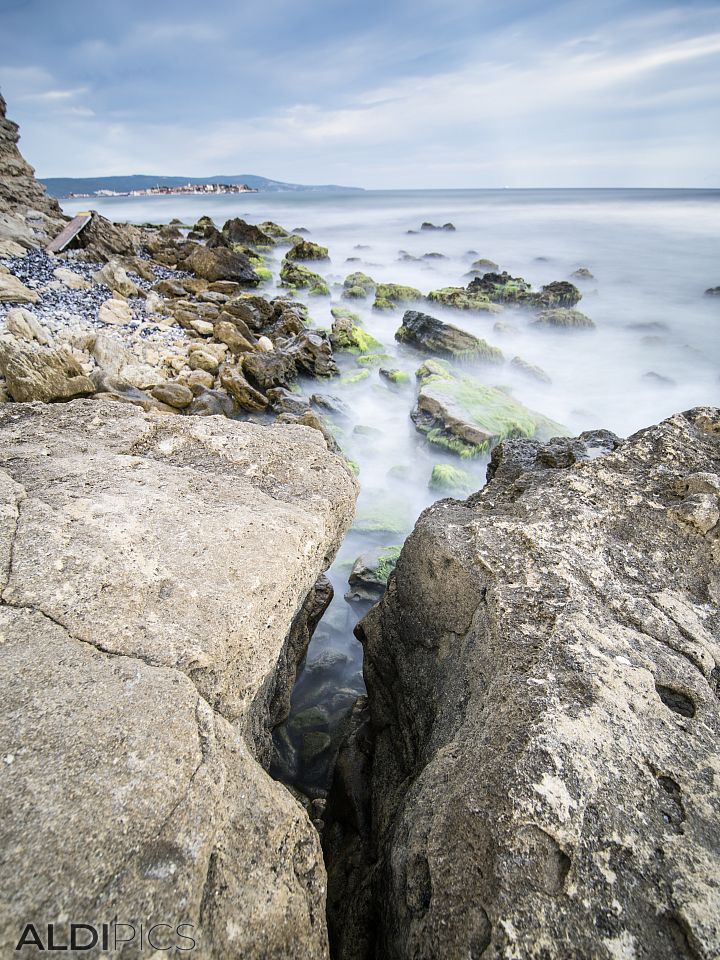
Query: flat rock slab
{"x":150,"y":572}
{"x":544,"y":679}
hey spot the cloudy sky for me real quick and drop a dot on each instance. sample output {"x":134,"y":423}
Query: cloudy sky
{"x":384,"y":93}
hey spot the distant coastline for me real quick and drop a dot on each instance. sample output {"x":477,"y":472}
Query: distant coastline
{"x":146,"y":185}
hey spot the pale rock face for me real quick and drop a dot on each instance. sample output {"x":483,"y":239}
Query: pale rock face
{"x":9,"y":248}
{"x":116,"y":312}
{"x":70,"y":279}
{"x":544,"y":682}
{"x":115,"y":278}
{"x":36,"y":372}
{"x":13,"y":290}
{"x":157,"y":565}
{"x":20,"y":192}
{"x":24,"y":325}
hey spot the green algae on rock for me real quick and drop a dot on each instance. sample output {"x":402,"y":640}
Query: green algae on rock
{"x":358,"y":285}
{"x":458,"y":298}
{"x":563,"y":318}
{"x":307,"y":250}
{"x":349,"y":336}
{"x":295,"y":276}
{"x":370,"y":573}
{"x":467,"y":417}
{"x":449,"y":478}
{"x":389,"y":295}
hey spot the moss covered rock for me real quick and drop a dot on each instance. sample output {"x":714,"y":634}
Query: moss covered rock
{"x":563,"y":318}
{"x":295,"y":276}
{"x":370,"y":572}
{"x":358,"y":285}
{"x":349,"y":336}
{"x":394,"y":376}
{"x":307,"y":250}
{"x":388,"y":295}
{"x":467,"y":417}
{"x":427,"y":333}
{"x":458,"y":298}
{"x":445,"y":478}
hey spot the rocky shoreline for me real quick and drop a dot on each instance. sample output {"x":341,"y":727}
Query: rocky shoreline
{"x":533,"y":772}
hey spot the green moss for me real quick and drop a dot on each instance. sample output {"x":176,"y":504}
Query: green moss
{"x":395,"y":376}
{"x":307,"y":250}
{"x":382,"y":304}
{"x":395,"y":293}
{"x":264,"y":274}
{"x":354,"y":293}
{"x":294,"y":276}
{"x":354,"y":466}
{"x":271,"y":229}
{"x":373,"y":359}
{"x":355,"y":377}
{"x":342,"y":313}
{"x":433,"y":368}
{"x":445,"y":477}
{"x":460,"y":299}
{"x":359,"y":281}
{"x":387,"y":562}
{"x":384,"y":516}
{"x":461,"y":448}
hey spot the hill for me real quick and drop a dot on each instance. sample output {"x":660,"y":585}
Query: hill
{"x":64,"y":186}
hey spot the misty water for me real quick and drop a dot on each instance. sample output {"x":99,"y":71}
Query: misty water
{"x":656,"y":351}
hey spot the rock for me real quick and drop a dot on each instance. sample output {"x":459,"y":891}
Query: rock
{"x":307,"y":250}
{"x":13,"y":290}
{"x":458,"y":298}
{"x":426,"y":333}
{"x":357,"y":286}
{"x":25,"y":326}
{"x":545,"y":718}
{"x":467,"y":417}
{"x":274,"y":230}
{"x":202,"y":327}
{"x":273,"y":369}
{"x":431,"y":226}
{"x":9,"y":248}
{"x":712,"y":292}
{"x":71,"y":280}
{"x":19,"y":190}
{"x":116,"y":312}
{"x":130,"y":691}
{"x":312,"y":353}
{"x":103,"y":240}
{"x":502,"y":288}
{"x":582,"y":273}
{"x":310,"y":419}
{"x":229,"y":334}
{"x":394,"y":376}
{"x":369,"y":576}
{"x":659,"y":379}
{"x":285,"y":401}
{"x":347,"y":335}
{"x":213,"y":403}
{"x":560,"y":293}
{"x":206,"y":356}
{"x":564,"y":319}
{"x":264,"y":344}
{"x":36,"y":372}
{"x":388,"y":295}
{"x":173,"y":394}
{"x":448,"y":479}
{"x":483,"y":266}
{"x":700,"y":511}
{"x":220,"y":264}
{"x":530,"y":370}
{"x":242,"y":392}
{"x":114,"y":276}
{"x":295,"y":276}
{"x":238,"y":231}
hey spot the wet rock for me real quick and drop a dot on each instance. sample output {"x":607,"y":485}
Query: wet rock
{"x":369,"y":576}
{"x":712,"y":292}
{"x":448,"y":479}
{"x":220,"y":264}
{"x":658,"y":378}
{"x":307,"y":250}
{"x":582,"y":273}
{"x":563,"y":319}
{"x":431,"y":226}
{"x":358,"y":286}
{"x":389,"y":295}
{"x":468,"y":418}
{"x":530,"y":370}
{"x":285,"y":401}
{"x":348,"y":335}
{"x":544,"y":714}
{"x":312,"y":353}
{"x":238,"y":231}
{"x":36,"y":372}
{"x":458,"y":298}
{"x":294,"y":275}
{"x":213,"y":403}
{"x":426,"y":333}
{"x":394,"y":375}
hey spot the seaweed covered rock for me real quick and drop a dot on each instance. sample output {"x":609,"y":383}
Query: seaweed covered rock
{"x":349,"y":335}
{"x":307,"y":250}
{"x":563,"y":318}
{"x":426,"y":333}
{"x":295,"y":276}
{"x":543,"y":678}
{"x":389,"y":295}
{"x":369,"y":575}
{"x":502,"y":288}
{"x":358,"y":285}
{"x":458,"y":298}
{"x":467,"y":417}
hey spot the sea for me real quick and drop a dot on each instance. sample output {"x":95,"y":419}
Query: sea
{"x":655,"y":351}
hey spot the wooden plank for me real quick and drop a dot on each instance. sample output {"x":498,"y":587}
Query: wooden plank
{"x":78,"y":223}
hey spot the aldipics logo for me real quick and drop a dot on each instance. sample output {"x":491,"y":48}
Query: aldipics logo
{"x":105,"y":937}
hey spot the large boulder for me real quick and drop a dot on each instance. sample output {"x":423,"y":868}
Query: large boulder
{"x":427,"y":333}
{"x":13,"y":290}
{"x":34,"y":371}
{"x":157,"y":567}
{"x":464,"y":416}
{"x":543,"y":675}
{"x":239,"y":231}
{"x":219,"y":263}
{"x":307,"y":250}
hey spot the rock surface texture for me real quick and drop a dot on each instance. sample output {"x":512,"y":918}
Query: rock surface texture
{"x":543,"y":675}
{"x":19,"y":190}
{"x":151,"y":571}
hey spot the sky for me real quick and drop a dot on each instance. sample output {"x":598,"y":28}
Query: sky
{"x":381,"y":94}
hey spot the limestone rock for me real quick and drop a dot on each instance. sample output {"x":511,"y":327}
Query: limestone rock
{"x":19,"y":190}
{"x":13,"y":290}
{"x":9,"y":248}
{"x":114,"y":276}
{"x":173,"y":394}
{"x":544,"y":680}
{"x":25,"y":325}
{"x":36,"y":372}
{"x":157,"y":567}
{"x":115,"y":312}
{"x":220,"y":264}
{"x":71,"y":280}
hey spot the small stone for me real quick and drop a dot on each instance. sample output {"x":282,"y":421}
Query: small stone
{"x":203,"y":327}
{"x":70,"y":279}
{"x":173,"y":394}
{"x":265,"y":344}
{"x":25,"y":326}
{"x":115,"y":312}
{"x":114,"y":276}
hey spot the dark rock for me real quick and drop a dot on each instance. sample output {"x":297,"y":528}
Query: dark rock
{"x":274,"y":369}
{"x":424,"y":332}
{"x":220,"y":264}
{"x":238,"y":231}
{"x":307,"y":250}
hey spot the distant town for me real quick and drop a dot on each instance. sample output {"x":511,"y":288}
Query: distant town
{"x":186,"y":188}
